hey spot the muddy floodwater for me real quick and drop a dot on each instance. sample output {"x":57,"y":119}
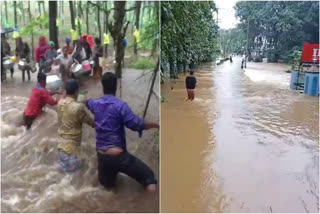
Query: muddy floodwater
{"x":247,"y":143}
{"x":30,"y":180}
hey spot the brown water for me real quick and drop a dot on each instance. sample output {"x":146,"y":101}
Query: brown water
{"x":261,"y":153}
{"x":30,"y":180}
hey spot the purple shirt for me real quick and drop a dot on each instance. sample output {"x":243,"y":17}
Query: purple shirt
{"x":111,"y":116}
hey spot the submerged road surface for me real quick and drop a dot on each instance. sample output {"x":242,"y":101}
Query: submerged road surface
{"x":261,"y":152}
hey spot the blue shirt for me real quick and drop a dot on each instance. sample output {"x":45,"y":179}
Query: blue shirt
{"x":125,"y":42}
{"x":111,"y":116}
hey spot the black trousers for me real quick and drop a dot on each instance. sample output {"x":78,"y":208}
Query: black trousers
{"x":28,"y":120}
{"x":110,"y":165}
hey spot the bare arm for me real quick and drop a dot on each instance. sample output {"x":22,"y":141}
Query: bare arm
{"x":151,"y":125}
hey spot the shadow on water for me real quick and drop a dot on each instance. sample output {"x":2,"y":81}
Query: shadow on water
{"x":30,"y":180}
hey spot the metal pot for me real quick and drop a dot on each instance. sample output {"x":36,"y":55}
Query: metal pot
{"x":77,"y":69}
{"x":53,"y":82}
{"x":86,"y":66}
{"x":8,"y":64}
{"x":22,"y":64}
{"x":33,"y":67}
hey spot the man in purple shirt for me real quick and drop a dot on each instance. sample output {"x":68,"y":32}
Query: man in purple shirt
{"x":111,"y":116}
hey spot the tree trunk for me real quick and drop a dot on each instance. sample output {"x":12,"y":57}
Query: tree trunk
{"x":79,"y":16}
{"x":15,"y":12}
{"x":59,"y":9}
{"x":32,"y":39}
{"x":73,"y":26}
{"x":150,"y":11}
{"x":39,"y":7}
{"x":118,"y":33}
{"x":23,"y":14}
{"x":138,"y":8}
{"x":87,"y":17}
{"x":98,"y":20}
{"x":62,"y":11}
{"x":155,"y":41}
{"x":53,"y":31}
{"x":142,"y":14}
{"x":6,"y":9}
{"x":43,"y":7}
{"x":106,"y":15}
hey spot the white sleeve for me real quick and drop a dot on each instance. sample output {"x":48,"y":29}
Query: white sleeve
{"x":83,"y":54}
{"x":74,"y":50}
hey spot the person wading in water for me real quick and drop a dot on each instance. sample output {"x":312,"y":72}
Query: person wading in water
{"x":71,"y":116}
{"x":39,"y":97}
{"x":112,"y":115}
{"x":191,"y":83}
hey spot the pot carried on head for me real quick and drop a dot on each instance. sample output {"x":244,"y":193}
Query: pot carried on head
{"x":54,"y":83}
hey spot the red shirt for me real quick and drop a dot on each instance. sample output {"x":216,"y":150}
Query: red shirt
{"x":38,"y":99}
{"x":40,"y":52}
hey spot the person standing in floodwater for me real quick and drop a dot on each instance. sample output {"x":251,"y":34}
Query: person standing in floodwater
{"x":40,"y":52}
{"x":243,"y":61}
{"x":97,"y":53}
{"x":5,"y":51}
{"x":71,"y":116}
{"x":65,"y":61}
{"x":69,"y":45}
{"x":191,"y":83}
{"x":39,"y":97}
{"x":112,"y":115}
{"x":23,"y":52}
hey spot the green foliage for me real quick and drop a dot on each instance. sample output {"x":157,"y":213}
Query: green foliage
{"x":232,"y":41}
{"x":150,"y":28}
{"x":143,"y":63}
{"x":294,"y":58}
{"x":188,"y":32}
{"x":284,"y":24}
{"x":35,"y":25}
{"x":149,"y":34}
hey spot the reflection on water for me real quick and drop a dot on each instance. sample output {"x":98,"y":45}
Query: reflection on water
{"x":266,"y":140}
{"x":252,"y":139}
{"x":30,"y":181}
{"x":184,"y":137}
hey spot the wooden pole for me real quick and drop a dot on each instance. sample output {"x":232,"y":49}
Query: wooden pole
{"x":155,"y":73}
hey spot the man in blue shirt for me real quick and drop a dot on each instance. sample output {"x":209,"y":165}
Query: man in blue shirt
{"x":111,"y":116}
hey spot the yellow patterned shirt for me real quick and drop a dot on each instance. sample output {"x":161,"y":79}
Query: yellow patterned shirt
{"x":71,"y":116}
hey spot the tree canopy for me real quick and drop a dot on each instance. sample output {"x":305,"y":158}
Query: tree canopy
{"x":285,"y":25}
{"x":188,"y":32}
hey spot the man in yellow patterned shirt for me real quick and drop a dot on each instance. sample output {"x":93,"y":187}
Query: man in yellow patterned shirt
{"x":71,"y":116}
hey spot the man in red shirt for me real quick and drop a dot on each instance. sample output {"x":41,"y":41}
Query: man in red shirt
{"x":39,"y":97}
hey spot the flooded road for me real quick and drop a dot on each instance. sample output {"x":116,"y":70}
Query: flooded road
{"x":261,"y":153}
{"x":184,"y":137}
{"x":30,"y":180}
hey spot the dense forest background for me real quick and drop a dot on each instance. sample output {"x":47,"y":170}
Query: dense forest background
{"x":117,"y":19}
